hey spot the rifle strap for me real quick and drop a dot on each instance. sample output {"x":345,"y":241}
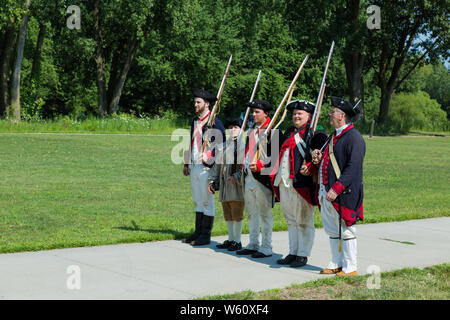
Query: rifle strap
{"x":333,"y":160}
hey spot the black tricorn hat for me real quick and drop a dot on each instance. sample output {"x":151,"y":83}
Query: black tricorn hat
{"x":205,"y":95}
{"x":345,"y":106}
{"x":301,"y":105}
{"x":233,"y":122}
{"x":260,"y":104}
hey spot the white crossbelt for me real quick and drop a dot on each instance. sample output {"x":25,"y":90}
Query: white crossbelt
{"x":301,"y":145}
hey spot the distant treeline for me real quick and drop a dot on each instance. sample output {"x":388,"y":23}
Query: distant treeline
{"x":81,"y":58}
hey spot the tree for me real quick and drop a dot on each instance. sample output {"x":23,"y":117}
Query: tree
{"x":10,"y":13}
{"x":13,"y":110}
{"x":411,"y":32}
{"x":125,"y":25}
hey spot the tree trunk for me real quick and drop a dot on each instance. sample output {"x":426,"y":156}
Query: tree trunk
{"x":36,"y":67}
{"x":115,"y":69}
{"x":385,"y":101}
{"x":100,"y":63}
{"x":5,"y":63}
{"x":354,"y":62}
{"x":13,"y":111}
{"x":353,"y":59}
{"x":132,"y":49}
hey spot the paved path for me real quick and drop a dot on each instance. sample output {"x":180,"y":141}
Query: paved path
{"x":173,"y":270}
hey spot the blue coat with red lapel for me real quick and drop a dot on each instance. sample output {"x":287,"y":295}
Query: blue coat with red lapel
{"x":349,"y":149}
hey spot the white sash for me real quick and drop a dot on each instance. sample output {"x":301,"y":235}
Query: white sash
{"x":301,"y":145}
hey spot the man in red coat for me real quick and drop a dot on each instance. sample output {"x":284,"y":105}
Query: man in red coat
{"x":297,"y":193}
{"x":341,"y":187}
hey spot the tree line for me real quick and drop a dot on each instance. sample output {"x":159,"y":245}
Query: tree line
{"x":144,"y":56}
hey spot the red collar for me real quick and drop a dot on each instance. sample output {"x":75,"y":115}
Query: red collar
{"x":350,"y":126}
{"x":207,"y":115}
{"x":264,"y":125}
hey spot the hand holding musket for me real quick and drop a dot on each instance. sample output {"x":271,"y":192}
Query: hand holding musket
{"x":316,"y":156}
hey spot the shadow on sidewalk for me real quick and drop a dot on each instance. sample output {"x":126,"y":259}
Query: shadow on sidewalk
{"x":177,"y":234}
{"x":270,"y":261}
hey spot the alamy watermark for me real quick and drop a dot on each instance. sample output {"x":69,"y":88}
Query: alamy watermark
{"x":73,"y":282}
{"x":374,"y":280}
{"x":182,"y":152}
{"x":74,"y":20}
{"x":374,"y":21}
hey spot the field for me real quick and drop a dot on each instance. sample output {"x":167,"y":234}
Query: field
{"x":67,"y":190}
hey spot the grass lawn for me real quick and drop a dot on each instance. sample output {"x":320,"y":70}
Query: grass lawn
{"x":431,"y":283}
{"x":79,"y":190}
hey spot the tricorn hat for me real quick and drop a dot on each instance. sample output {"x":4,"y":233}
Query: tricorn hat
{"x":205,"y":95}
{"x":233,"y":122}
{"x":260,"y":104}
{"x":345,"y":106}
{"x":301,"y":105}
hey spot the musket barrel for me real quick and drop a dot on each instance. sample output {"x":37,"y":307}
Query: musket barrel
{"x":323,"y":82}
{"x":254,"y":88}
{"x":269,"y":127}
{"x":318,"y":107}
{"x":219,"y":93}
{"x":247,"y":112}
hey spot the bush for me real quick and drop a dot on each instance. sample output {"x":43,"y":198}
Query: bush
{"x":417,"y":111}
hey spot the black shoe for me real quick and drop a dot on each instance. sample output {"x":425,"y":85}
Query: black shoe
{"x":288,"y":260}
{"x":245,"y":252}
{"x":225,"y":245}
{"x":205,"y":235}
{"x":198,"y":228}
{"x":299,"y":262}
{"x":235,"y":246}
{"x":260,"y":255}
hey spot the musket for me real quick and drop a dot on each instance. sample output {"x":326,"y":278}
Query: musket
{"x":219,"y":95}
{"x":315,"y":117}
{"x":280,"y":106}
{"x":213,"y":113}
{"x":252,"y":97}
{"x":275,"y":116}
{"x":285,"y":109}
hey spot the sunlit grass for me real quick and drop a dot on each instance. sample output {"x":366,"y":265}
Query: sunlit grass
{"x":80,"y":190}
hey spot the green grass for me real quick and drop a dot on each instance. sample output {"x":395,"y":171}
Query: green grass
{"x":116,"y":124}
{"x":431,"y":283}
{"x":61,"y":191}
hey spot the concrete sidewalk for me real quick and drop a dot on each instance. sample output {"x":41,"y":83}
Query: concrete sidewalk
{"x":173,"y":270}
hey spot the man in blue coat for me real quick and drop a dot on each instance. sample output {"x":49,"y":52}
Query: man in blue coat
{"x":341,"y":187}
{"x":198,"y":163}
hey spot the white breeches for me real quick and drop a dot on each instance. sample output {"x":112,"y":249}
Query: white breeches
{"x":299,"y":215}
{"x":330,"y":218}
{"x":258,"y":204}
{"x":203,"y":200}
